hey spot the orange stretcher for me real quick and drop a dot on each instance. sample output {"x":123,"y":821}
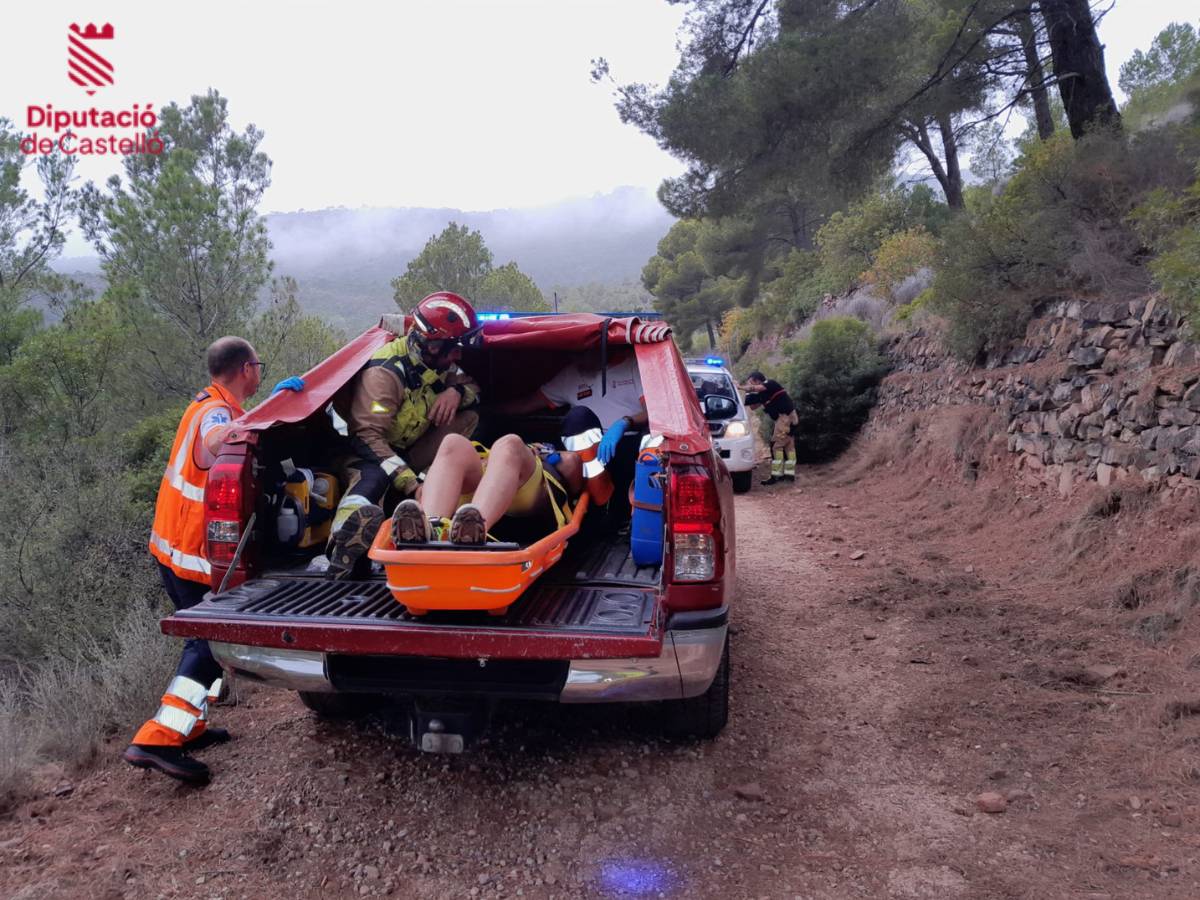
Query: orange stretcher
{"x":445,"y":576}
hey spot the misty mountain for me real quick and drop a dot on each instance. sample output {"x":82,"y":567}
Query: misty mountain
{"x":590,"y":250}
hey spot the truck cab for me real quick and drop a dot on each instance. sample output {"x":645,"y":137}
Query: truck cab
{"x":597,"y":627}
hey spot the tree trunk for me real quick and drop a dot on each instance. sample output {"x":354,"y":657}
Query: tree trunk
{"x":953,"y":186}
{"x":918,"y":133}
{"x":1035,"y":76}
{"x":1079,"y":65}
{"x":712,"y":337}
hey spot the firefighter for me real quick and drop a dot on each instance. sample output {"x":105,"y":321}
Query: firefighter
{"x":771,"y":396}
{"x":177,"y":544}
{"x":407,"y":398}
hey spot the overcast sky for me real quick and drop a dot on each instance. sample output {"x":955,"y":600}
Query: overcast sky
{"x":476,"y":105}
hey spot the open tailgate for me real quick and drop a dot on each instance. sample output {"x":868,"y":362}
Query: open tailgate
{"x":553,"y":620}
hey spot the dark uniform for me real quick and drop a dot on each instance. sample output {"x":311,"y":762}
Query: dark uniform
{"x":779,"y":406}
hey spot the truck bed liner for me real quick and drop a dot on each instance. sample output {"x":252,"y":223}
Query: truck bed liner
{"x":596,"y":604}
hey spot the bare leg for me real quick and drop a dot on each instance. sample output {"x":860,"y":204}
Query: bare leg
{"x":510,"y":465}
{"x":455,"y":471}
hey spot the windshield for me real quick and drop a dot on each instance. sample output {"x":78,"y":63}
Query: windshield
{"x":713,"y":384}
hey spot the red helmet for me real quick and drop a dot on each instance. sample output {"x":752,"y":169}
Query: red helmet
{"x":444,"y":316}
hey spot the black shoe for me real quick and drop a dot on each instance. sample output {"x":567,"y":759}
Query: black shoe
{"x":772,"y":480}
{"x":791,"y":478}
{"x":352,"y":541}
{"x":208,"y":737}
{"x":409,"y":524}
{"x":168,"y":760}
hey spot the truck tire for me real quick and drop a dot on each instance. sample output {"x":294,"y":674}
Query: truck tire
{"x":742,"y":481}
{"x":338,"y":706}
{"x":703,"y":716}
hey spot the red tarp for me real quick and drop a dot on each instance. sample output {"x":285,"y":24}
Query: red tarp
{"x":670,"y":398}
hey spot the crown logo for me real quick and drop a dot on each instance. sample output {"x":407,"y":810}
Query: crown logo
{"x":86,"y":67}
{"x":92,"y":33}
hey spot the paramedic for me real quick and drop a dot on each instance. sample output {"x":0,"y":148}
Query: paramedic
{"x":771,"y":396}
{"x":177,"y":543}
{"x":614,"y":395}
{"x":408,"y":397}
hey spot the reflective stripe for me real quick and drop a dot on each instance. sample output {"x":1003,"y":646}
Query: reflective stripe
{"x":592,"y":468}
{"x":176,"y":719}
{"x":391,"y":464}
{"x":583,"y":440}
{"x":188,"y":690}
{"x":215,"y":691}
{"x":177,"y":481}
{"x":181,"y":559}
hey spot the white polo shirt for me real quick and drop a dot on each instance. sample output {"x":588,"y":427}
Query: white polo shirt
{"x":625,"y":396}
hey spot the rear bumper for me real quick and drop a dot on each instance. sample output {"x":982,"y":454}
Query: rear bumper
{"x":685,"y":668}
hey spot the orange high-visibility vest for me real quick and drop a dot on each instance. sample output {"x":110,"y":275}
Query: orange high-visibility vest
{"x":177,"y":537}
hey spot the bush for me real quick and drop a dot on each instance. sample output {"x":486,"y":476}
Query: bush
{"x":849,"y":241}
{"x":832,"y":377}
{"x":1170,"y":223}
{"x":1061,"y":223}
{"x":900,"y":256}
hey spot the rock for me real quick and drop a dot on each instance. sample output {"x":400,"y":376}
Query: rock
{"x":991,"y":802}
{"x":1135,"y":803}
{"x":370,"y":872}
{"x":752,"y":791}
{"x":869,"y":636}
{"x":858,"y":554}
{"x":64,"y":790}
{"x":1088,"y":356}
{"x":834,"y":555}
{"x":1104,"y":474}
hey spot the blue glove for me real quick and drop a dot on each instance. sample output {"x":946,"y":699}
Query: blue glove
{"x":295,"y":383}
{"x":608,"y":443}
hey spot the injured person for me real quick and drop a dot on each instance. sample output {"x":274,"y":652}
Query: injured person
{"x":468,"y":489}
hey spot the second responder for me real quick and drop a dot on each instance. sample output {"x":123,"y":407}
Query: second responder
{"x":777,"y":403}
{"x":398,"y":408}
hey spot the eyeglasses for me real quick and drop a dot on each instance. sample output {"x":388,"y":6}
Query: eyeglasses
{"x":262,"y":368}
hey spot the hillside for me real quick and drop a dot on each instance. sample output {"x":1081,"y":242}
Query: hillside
{"x":345,"y":259}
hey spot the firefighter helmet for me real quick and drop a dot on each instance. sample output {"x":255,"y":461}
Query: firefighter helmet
{"x":443,"y":316}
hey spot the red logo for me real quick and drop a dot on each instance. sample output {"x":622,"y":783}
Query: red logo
{"x":85,"y":65}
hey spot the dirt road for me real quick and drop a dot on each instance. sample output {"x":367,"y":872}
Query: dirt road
{"x":875,"y":698}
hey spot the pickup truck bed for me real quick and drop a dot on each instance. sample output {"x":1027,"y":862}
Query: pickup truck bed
{"x":594,"y":604}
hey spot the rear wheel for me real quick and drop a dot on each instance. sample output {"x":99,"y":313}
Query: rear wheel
{"x":339,"y":706}
{"x":742,"y":481}
{"x":704,"y":716}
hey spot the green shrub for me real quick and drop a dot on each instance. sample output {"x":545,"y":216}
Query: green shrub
{"x":849,"y":241}
{"x":832,"y":376}
{"x":900,"y":255}
{"x":1061,"y":223}
{"x":904,"y":314}
{"x":1170,"y":223}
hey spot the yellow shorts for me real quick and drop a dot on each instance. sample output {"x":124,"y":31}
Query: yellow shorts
{"x":528,"y":499}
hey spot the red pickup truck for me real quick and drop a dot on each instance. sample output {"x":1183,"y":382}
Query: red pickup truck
{"x":596,"y":628}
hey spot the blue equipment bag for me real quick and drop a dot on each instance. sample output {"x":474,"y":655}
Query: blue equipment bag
{"x":646,"y":532}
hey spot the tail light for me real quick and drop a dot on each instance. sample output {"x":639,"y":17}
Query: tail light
{"x":224,"y":498}
{"x":697,"y":549}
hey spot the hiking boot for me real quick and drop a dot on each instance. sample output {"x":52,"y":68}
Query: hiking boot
{"x":774,"y":479}
{"x":348,"y":550}
{"x":168,"y":760}
{"x":791,"y":478}
{"x":467,"y":527}
{"x":409,"y":524}
{"x":207,"y":738}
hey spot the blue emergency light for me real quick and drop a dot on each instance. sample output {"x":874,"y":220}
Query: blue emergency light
{"x":714,"y":361}
{"x":492,"y":317}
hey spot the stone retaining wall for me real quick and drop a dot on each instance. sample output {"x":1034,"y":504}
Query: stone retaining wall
{"x":1103,"y":391}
